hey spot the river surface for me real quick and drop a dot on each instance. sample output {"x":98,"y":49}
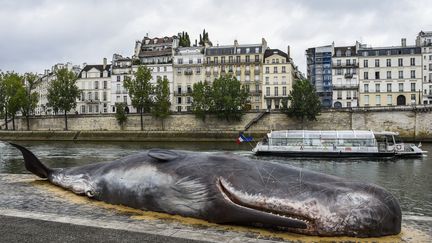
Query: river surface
{"x":410,"y":180}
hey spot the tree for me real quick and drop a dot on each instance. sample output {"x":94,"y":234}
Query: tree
{"x":184,"y":40}
{"x":121,"y":114}
{"x":63,"y":92}
{"x":31,"y":98}
{"x":2,"y":97}
{"x":204,"y":38}
{"x":229,"y":98}
{"x":140,"y":91}
{"x":201,"y":99}
{"x":14,"y":94}
{"x":162,"y":104}
{"x":304,"y":102}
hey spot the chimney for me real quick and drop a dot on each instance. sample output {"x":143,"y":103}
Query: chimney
{"x":264,"y":44}
{"x":403,"y":42}
{"x":289,"y":52}
{"x":104,"y":63}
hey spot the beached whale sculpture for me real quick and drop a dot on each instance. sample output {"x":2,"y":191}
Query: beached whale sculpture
{"x":225,"y":188}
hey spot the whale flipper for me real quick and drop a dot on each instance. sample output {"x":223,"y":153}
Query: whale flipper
{"x":32,"y":163}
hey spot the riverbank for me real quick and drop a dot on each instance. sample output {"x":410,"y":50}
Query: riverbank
{"x":125,"y":136}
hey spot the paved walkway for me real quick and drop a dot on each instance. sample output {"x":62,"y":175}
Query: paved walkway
{"x":32,"y":210}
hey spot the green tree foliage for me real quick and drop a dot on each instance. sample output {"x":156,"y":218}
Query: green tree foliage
{"x":204,"y":38}
{"x":14,"y":93}
{"x":201,"y":99}
{"x":31,"y":98}
{"x":304,"y":104}
{"x":140,"y":90}
{"x":63,"y":92}
{"x":2,"y":96}
{"x":184,"y":40}
{"x":225,"y":98}
{"x":121,"y":114}
{"x":162,"y":104}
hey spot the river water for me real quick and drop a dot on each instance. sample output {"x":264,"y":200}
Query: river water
{"x":410,"y":180}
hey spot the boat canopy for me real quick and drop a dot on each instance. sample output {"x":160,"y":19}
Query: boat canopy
{"x":347,"y":134}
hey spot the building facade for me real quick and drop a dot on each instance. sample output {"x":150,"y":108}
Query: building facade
{"x":424,"y":40}
{"x":278,"y":78}
{"x":188,"y":69}
{"x":345,"y":76}
{"x":243,"y":62}
{"x":319,"y":72}
{"x":94,"y":83}
{"x":121,"y":69}
{"x":390,"y":75}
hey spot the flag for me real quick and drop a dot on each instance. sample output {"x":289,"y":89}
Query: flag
{"x":242,"y":138}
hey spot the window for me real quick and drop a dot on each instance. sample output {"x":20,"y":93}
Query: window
{"x":267,"y":91}
{"x":179,"y":108}
{"x":104,"y":96}
{"x":179,"y":100}
{"x":105,"y":84}
{"x":283,"y":69}
{"x":96,"y":95}
{"x":275,"y":69}
{"x":413,"y":74}
{"x":230,"y":59}
{"x":378,"y":100}
{"x":90,"y":109}
{"x":247,"y":58}
{"x":400,"y":75}
{"x":400,"y":62}
{"x":348,"y":94}
{"x":339,"y":94}
{"x":389,"y":99}
{"x":338,"y":71}
{"x":83,"y":109}
{"x":413,"y":98}
{"x":96,"y":84}
{"x":388,"y":74}
{"x":377,"y":88}
{"x":412,"y":61}
{"x":284,"y":90}
{"x":267,"y":69}
{"x":377,"y":62}
{"x":338,"y":62}
{"x":401,"y":87}
{"x":389,"y":87}
{"x":118,"y":78}
{"x":238,"y":58}
{"x":275,"y":80}
{"x":215,"y":59}
{"x":267,"y":80}
{"x":366,"y":98}
{"x":165,"y":69}
{"x":377,"y":75}
{"x":256,"y":58}
{"x":276,"y":91}
{"x":180,"y":61}
{"x":365,"y":62}
{"x":348,"y":62}
{"x":366,"y":88}
{"x":190,"y":62}
{"x":388,"y":62}
{"x":366,"y":75}
{"x":413,"y":87}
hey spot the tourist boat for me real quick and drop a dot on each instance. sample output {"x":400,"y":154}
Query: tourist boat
{"x":341,"y":144}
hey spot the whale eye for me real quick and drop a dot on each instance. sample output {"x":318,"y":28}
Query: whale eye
{"x":89,"y":193}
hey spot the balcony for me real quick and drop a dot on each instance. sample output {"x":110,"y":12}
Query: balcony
{"x":255,"y":93}
{"x":188,"y":72}
{"x":92,"y":101}
{"x":346,"y":87}
{"x":349,"y":75}
{"x":344,"y":65}
{"x":183,"y":93}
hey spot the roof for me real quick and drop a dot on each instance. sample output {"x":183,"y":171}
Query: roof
{"x":343,"y":50}
{"x":98,"y":67}
{"x":158,"y":40}
{"x":270,"y":52}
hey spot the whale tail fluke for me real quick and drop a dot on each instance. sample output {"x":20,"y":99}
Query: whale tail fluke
{"x":32,"y":163}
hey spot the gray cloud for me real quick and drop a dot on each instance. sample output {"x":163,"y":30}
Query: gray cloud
{"x":37,"y":34}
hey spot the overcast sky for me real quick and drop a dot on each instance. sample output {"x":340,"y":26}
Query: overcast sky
{"x":37,"y":34}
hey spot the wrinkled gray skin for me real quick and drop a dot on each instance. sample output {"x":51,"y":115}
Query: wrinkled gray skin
{"x":225,"y":188}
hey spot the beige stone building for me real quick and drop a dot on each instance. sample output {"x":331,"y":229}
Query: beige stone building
{"x":390,"y":76}
{"x":278,"y":78}
{"x":188,"y":69}
{"x":424,"y":40}
{"x":243,"y":62}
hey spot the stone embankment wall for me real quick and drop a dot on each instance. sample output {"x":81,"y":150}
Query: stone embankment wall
{"x":413,"y":124}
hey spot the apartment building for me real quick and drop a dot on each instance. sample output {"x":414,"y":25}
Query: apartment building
{"x":243,"y":62}
{"x":278,"y":77}
{"x":345,"y":79}
{"x":390,"y":75}
{"x":121,"y":69}
{"x":42,"y":107}
{"x":319,"y":72}
{"x":94,"y":83}
{"x":424,"y":40}
{"x":188,"y":69}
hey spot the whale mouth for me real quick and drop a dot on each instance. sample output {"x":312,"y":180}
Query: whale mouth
{"x":290,"y":220}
